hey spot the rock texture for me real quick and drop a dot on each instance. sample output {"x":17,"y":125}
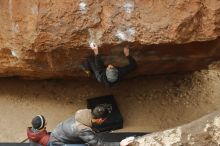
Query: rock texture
{"x":202,"y":132}
{"x":49,"y":38}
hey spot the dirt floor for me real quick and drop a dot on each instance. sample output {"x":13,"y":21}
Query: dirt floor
{"x":147,"y":104}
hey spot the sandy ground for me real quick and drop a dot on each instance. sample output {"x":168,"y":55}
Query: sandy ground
{"x":147,"y":104}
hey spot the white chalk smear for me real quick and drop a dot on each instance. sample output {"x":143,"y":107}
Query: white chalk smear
{"x":93,"y":45}
{"x":121,"y":35}
{"x":126,"y":35}
{"x":15,"y":28}
{"x":129,"y":7}
{"x":131,"y":31}
{"x":13,"y":53}
{"x":83,"y":7}
{"x":94,"y":37}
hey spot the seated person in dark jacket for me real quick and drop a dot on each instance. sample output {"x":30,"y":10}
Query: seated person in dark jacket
{"x":77,"y":129}
{"x":37,"y":134}
{"x":108,"y":74}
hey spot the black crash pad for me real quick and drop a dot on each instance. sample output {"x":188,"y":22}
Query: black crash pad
{"x":118,"y":136}
{"x":115,"y":119}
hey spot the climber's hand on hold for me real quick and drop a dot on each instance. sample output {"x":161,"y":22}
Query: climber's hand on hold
{"x":94,"y":47}
{"x":126,"y":51}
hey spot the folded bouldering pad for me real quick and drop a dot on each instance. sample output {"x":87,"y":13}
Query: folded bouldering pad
{"x":115,"y":119}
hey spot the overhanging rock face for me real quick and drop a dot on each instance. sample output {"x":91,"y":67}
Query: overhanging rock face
{"x":49,"y":38}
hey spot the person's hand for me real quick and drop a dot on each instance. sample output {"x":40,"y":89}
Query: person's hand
{"x":94,"y":48}
{"x":127,"y":141}
{"x":126,"y":51}
{"x":96,"y":51}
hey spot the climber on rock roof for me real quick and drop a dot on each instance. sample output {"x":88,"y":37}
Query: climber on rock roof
{"x":109,"y":74}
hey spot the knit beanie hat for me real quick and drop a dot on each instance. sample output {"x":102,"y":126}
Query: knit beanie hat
{"x":38,"y":122}
{"x":112,"y":74}
{"x":101,"y":111}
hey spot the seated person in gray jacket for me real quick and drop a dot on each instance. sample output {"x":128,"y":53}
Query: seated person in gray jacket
{"x":77,"y":129}
{"x":109,"y":74}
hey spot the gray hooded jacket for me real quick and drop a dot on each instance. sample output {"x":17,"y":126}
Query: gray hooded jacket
{"x":76,"y":130}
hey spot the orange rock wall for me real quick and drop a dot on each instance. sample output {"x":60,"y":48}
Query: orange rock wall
{"x":49,"y":38}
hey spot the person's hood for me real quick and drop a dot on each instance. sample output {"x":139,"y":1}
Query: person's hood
{"x":84,"y":116}
{"x":35,"y":136}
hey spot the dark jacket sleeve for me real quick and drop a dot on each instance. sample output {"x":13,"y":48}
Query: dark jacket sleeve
{"x":128,"y":68}
{"x":91,"y":139}
{"x":100,"y":70}
{"x":99,"y":63}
